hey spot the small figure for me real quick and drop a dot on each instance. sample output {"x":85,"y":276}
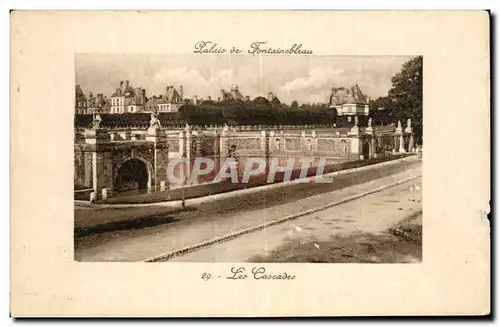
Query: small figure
{"x":408,"y":123}
{"x":370,"y":122}
{"x":356,"y":121}
{"x":154,"y":122}
{"x":96,"y":122}
{"x":399,"y":123}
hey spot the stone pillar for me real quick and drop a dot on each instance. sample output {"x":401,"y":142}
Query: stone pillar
{"x":216,"y":140}
{"x":263,"y":139}
{"x":401,"y":143}
{"x":409,"y":133}
{"x":181,"y":140}
{"x":98,"y":143}
{"x":87,"y":163}
{"x":355,"y":143}
{"x":199,"y":143}
{"x":104,"y":192}
{"x":398,"y":138}
{"x":303,"y":141}
{"x":223,"y":144}
{"x":158,"y":138}
{"x":373,"y":147}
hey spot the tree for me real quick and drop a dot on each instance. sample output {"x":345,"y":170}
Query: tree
{"x":406,"y":95}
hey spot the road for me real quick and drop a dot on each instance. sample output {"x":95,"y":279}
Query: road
{"x":174,"y":230}
{"x":371,"y":214}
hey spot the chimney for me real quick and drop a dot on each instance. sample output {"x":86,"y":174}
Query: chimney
{"x":234,"y":90}
{"x":127,"y":84}
{"x":195,"y":100}
{"x":270,"y":96}
{"x":181,"y":92}
{"x":222,"y":93}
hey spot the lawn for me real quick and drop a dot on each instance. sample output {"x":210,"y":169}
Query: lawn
{"x":400,"y":244}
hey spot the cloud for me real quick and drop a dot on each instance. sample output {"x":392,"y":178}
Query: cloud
{"x":318,"y":79}
{"x":193,"y":80}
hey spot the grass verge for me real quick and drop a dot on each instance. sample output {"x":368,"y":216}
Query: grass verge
{"x":402,"y":243}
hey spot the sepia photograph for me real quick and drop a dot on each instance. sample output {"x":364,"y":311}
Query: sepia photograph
{"x":248,"y":158}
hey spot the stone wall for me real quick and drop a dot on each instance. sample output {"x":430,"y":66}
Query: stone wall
{"x":99,"y":155}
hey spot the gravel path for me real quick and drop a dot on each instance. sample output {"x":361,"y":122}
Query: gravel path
{"x":212,"y":220}
{"x":373,"y":213}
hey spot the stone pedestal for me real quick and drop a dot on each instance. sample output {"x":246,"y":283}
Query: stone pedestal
{"x":104,"y":193}
{"x":398,"y":138}
{"x":409,"y":133}
{"x":125,"y":135}
{"x":96,"y":136}
{"x":355,"y":142}
{"x":401,"y":144}
{"x":93,"y":197}
{"x":159,"y":138}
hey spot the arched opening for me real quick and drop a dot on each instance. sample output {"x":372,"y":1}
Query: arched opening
{"x":132,"y":175}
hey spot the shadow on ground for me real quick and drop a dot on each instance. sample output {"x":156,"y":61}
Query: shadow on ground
{"x":139,"y":223}
{"x":400,"y":244}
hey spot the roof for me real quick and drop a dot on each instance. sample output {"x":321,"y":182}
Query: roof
{"x":172,"y":95}
{"x":233,"y":94}
{"x":124,"y":90}
{"x":154,"y":101}
{"x":344,"y":95}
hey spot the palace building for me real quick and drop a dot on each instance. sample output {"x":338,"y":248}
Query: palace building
{"x":126,"y":99}
{"x":170,"y":101}
{"x":349,"y":101}
{"x":234,"y":94}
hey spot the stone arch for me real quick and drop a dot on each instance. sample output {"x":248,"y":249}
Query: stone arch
{"x":144,"y":169}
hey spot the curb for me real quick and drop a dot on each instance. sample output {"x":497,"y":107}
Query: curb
{"x":191,"y":248}
{"x":251,"y":190}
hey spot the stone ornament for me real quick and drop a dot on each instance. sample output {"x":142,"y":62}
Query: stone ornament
{"x":154,"y":122}
{"x":96,"y":121}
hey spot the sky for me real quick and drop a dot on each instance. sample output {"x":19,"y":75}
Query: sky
{"x":306,"y":79}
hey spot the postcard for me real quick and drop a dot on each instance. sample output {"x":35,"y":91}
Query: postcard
{"x":250,"y":163}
